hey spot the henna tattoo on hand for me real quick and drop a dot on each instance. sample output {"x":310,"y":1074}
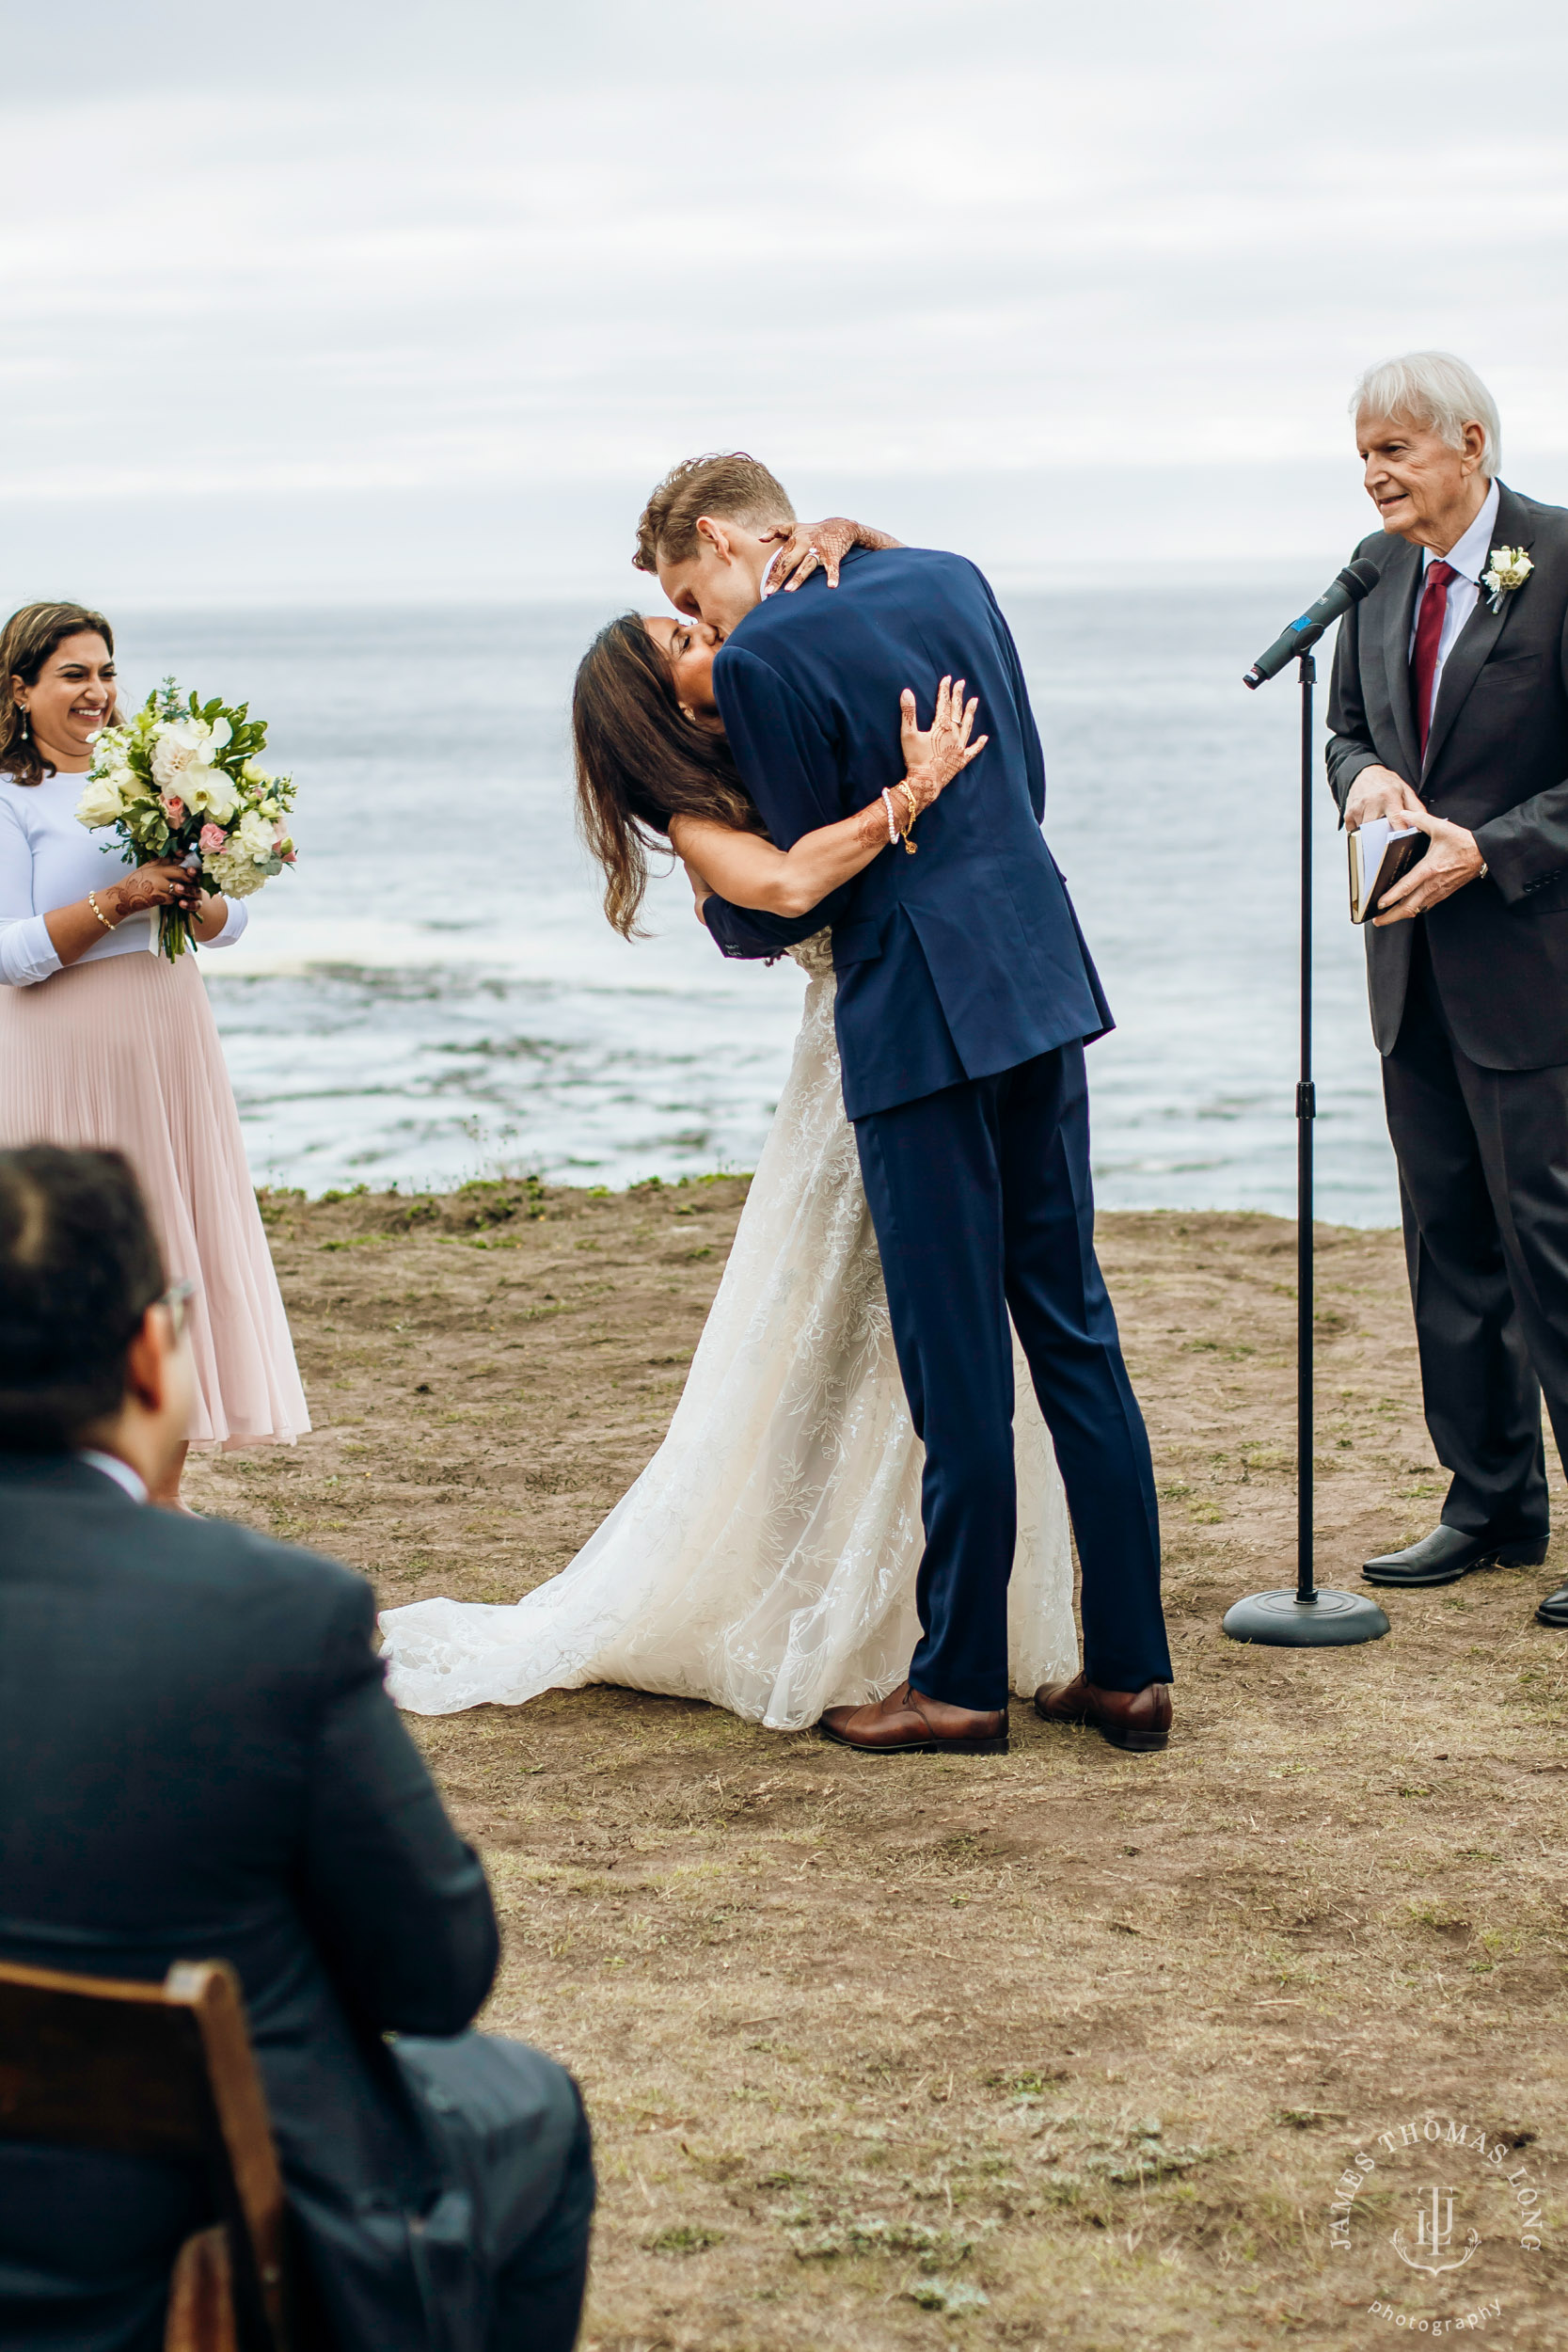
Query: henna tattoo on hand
{"x":825,"y":542}
{"x":149,"y":888}
{"x":945,"y":750}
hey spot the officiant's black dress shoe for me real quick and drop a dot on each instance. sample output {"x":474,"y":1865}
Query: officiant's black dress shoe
{"x":907,"y":1723}
{"x":1554,"y":1609}
{"x":1448,"y":1553}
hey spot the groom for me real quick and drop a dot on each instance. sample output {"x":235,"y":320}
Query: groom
{"x":965,"y":998}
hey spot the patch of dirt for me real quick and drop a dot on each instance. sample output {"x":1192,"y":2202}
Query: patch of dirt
{"x":1064,"y":2047}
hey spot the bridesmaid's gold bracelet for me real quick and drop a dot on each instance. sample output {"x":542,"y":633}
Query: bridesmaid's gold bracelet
{"x":92,"y":901}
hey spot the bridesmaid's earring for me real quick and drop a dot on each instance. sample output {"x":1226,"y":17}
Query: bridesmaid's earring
{"x":23,"y":710}
{"x":686,"y":712}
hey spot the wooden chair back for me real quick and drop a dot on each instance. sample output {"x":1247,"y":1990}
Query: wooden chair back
{"x":161,"y":2070}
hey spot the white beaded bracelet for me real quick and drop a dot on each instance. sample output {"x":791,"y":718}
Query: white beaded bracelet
{"x":892,"y":820}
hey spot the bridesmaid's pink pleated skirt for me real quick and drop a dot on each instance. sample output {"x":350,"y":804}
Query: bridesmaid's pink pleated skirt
{"x":123,"y":1053}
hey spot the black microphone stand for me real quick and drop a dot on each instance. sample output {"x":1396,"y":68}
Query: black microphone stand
{"x":1307,"y":1618}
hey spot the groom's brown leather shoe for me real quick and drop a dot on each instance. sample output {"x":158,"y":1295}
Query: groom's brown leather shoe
{"x":906,"y":1723}
{"x":1129,"y":1719}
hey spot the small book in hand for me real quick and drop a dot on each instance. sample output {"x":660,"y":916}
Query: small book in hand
{"x":1381,"y":854}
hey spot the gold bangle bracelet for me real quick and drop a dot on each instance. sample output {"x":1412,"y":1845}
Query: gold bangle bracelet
{"x":908,"y":826}
{"x":92,"y":901}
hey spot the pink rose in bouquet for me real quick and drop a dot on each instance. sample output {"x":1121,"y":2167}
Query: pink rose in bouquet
{"x":211,"y":839}
{"x":174,"y":808}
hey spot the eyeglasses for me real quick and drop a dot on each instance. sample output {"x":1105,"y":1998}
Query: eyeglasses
{"x":177,"y":1298}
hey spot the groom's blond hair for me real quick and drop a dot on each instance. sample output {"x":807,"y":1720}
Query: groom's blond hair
{"x":728,"y":483}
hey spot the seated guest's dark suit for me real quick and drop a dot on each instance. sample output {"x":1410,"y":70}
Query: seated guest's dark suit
{"x":198,"y":1760}
{"x":965,"y":996}
{"x":1470,"y":1007}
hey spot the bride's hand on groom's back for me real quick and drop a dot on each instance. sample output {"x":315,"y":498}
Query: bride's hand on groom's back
{"x":812,"y":545}
{"x":934,"y":756}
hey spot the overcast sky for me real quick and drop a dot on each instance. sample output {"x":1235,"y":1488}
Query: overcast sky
{"x":338,"y":298}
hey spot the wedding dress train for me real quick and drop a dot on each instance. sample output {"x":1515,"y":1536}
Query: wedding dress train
{"x":765,"y":1558}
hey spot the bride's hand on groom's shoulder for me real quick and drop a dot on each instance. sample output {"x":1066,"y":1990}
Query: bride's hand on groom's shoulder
{"x":823,"y":545}
{"x":935,"y":755}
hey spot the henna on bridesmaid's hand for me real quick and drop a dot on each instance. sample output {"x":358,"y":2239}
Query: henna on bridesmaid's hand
{"x":152,"y":886}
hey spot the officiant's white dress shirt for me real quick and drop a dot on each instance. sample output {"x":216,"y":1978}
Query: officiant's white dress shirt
{"x":1469,"y":557}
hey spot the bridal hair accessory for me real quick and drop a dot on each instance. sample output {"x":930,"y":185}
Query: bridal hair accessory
{"x":1511,"y":568}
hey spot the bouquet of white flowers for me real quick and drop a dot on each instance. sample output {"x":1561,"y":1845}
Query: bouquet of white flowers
{"x":182,"y":781}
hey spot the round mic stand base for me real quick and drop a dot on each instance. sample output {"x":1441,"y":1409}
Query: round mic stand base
{"x":1284,"y":1621}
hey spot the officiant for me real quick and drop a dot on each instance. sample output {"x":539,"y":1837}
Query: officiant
{"x":1450,"y":712}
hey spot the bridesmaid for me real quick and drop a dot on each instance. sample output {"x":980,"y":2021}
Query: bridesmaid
{"x":102,"y":1044}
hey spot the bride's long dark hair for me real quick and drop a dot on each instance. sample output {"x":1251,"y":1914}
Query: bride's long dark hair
{"x":640,"y":761}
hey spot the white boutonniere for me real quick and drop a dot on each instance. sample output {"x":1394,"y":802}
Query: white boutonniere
{"x":1511,"y":568}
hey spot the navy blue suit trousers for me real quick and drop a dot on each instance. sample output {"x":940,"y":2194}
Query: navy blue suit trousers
{"x":982,"y":1201}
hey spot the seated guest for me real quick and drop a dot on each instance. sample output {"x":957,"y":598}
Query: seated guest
{"x":198,"y":1760}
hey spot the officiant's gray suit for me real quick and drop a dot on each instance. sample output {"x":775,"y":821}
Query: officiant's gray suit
{"x":1469,"y":1007}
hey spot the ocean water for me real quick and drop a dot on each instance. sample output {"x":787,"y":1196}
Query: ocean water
{"x":433,"y":994}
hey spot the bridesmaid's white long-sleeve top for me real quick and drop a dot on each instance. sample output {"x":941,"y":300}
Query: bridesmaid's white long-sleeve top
{"x":47,"y":860}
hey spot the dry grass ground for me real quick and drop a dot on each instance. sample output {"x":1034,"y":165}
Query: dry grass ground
{"x":1064,"y":2047}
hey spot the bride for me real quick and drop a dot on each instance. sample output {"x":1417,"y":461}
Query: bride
{"x":765,"y":1558}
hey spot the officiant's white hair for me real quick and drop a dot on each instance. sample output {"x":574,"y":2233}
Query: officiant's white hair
{"x":1436,"y":388}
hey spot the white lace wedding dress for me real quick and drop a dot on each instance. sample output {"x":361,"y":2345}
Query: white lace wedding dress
{"x":765,"y":1558}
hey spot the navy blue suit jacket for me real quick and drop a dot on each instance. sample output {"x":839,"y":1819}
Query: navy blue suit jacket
{"x":966,"y":959}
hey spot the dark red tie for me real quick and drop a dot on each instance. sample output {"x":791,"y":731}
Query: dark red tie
{"x":1429,"y":629}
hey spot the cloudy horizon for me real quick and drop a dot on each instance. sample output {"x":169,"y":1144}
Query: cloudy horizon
{"x":414,"y":301}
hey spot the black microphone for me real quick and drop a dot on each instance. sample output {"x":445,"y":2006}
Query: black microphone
{"x":1356,"y":580}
